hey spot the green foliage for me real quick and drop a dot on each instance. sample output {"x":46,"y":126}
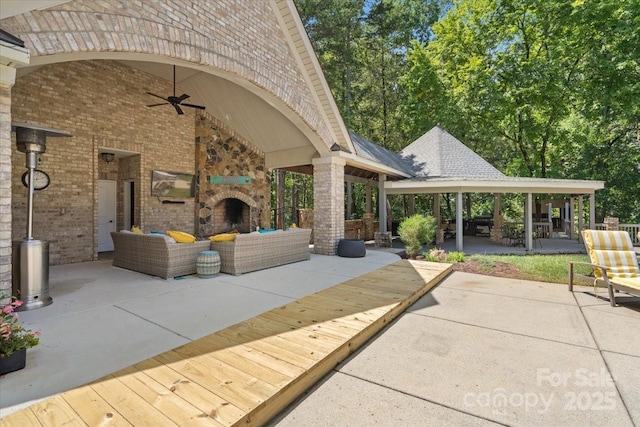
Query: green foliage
{"x":416,"y":231}
{"x":541,"y":89}
{"x":455,"y":256}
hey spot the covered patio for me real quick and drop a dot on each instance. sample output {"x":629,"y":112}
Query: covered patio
{"x":443,"y":164}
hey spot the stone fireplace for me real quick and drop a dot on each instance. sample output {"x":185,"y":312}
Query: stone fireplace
{"x":241,"y":202}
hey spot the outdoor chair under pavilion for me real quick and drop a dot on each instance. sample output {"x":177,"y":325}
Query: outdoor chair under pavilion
{"x":613,"y":260}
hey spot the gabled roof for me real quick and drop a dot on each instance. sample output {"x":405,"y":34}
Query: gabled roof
{"x":438,"y":154}
{"x":370,"y":151}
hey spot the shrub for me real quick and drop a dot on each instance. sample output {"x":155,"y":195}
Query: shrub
{"x":455,"y":256}
{"x":416,"y":231}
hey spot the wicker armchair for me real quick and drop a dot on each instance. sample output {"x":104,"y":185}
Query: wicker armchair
{"x":152,"y":254}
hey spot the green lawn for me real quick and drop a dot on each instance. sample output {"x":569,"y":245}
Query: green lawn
{"x":543,"y":268}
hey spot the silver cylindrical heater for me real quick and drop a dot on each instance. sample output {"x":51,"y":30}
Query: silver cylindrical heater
{"x":30,"y":262}
{"x":30,"y":273}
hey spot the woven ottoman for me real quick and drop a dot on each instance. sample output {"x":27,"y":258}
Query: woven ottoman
{"x":351,"y":248}
{"x":208,"y":264}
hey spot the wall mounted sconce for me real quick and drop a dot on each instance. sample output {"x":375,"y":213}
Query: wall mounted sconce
{"x":107,"y":157}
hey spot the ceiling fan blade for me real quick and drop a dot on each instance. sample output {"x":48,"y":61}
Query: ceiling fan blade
{"x":199,"y":107}
{"x":178,"y":109}
{"x":157,"y":96}
{"x":182,"y":97}
{"x":155,"y":105}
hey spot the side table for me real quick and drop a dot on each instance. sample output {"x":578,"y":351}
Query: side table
{"x":208,"y":264}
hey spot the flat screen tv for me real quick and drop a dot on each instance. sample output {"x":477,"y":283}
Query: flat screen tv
{"x":172,"y":184}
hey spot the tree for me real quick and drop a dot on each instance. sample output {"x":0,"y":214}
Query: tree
{"x":536,"y":87}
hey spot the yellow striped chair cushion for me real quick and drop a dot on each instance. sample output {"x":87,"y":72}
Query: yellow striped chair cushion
{"x":614,"y":250}
{"x":613,"y":240}
{"x":632,"y":282}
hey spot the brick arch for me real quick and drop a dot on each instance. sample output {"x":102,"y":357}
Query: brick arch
{"x":232,"y":194}
{"x":244,"y":45}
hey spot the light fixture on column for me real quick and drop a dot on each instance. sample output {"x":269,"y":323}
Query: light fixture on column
{"x":107,"y":157}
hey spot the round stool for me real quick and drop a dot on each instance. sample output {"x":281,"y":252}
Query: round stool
{"x":208,"y":264}
{"x":351,"y":248}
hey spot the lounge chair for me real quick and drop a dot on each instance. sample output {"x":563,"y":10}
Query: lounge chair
{"x":614,"y":262}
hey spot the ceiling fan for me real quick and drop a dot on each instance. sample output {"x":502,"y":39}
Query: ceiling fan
{"x":174,"y":100}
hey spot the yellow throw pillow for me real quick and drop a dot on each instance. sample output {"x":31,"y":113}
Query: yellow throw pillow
{"x":135,"y":229}
{"x":181,"y":236}
{"x":224,"y":237}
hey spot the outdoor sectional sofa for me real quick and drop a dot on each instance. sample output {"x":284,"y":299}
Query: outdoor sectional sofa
{"x":153,"y":254}
{"x":256,"y":251}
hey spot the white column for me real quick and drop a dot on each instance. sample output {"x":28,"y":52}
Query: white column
{"x":528,"y":222}
{"x":459,"y":225}
{"x":382,"y":202}
{"x":580,"y":217}
{"x":436,"y":208}
{"x":592,"y":211}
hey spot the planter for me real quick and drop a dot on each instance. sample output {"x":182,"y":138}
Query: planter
{"x":15,"y":362}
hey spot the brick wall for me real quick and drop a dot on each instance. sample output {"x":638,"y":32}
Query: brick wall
{"x":102,"y":104}
{"x":237,"y":38}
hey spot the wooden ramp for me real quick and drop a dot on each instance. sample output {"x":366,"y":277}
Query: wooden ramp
{"x":249,"y":372}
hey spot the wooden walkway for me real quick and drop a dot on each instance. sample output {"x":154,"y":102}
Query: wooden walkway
{"x":249,"y":372}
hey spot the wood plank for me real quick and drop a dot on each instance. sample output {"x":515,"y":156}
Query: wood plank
{"x":22,"y":418}
{"x":297,"y":355}
{"x":56,"y":412}
{"x":131,"y":406}
{"x":208,"y":402}
{"x":242,"y":390}
{"x":257,"y":356}
{"x":336,"y":334}
{"x":92,"y":408}
{"x":223,"y":357}
{"x":171,"y":405}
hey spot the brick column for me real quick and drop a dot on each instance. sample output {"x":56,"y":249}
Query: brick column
{"x":328,"y":203}
{"x":611,"y":223}
{"x":6,"y":82}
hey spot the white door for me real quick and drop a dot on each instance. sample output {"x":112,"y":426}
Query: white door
{"x":106,"y":214}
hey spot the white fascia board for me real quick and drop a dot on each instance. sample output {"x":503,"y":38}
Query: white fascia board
{"x":551,"y":186}
{"x":13,"y":56}
{"x":370,"y":165}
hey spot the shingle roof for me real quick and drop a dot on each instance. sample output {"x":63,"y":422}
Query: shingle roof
{"x":438,"y":154}
{"x":368,"y":150}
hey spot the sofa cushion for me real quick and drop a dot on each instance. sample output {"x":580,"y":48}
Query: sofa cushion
{"x":224,"y":237}
{"x":135,"y":229}
{"x":181,"y":236}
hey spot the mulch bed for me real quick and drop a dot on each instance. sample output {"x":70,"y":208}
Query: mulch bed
{"x":500,"y":269}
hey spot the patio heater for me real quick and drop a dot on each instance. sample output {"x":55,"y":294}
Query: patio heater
{"x":30,"y":262}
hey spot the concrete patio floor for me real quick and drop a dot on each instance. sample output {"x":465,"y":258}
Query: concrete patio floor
{"x":482,"y":350}
{"x":477,"y":350}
